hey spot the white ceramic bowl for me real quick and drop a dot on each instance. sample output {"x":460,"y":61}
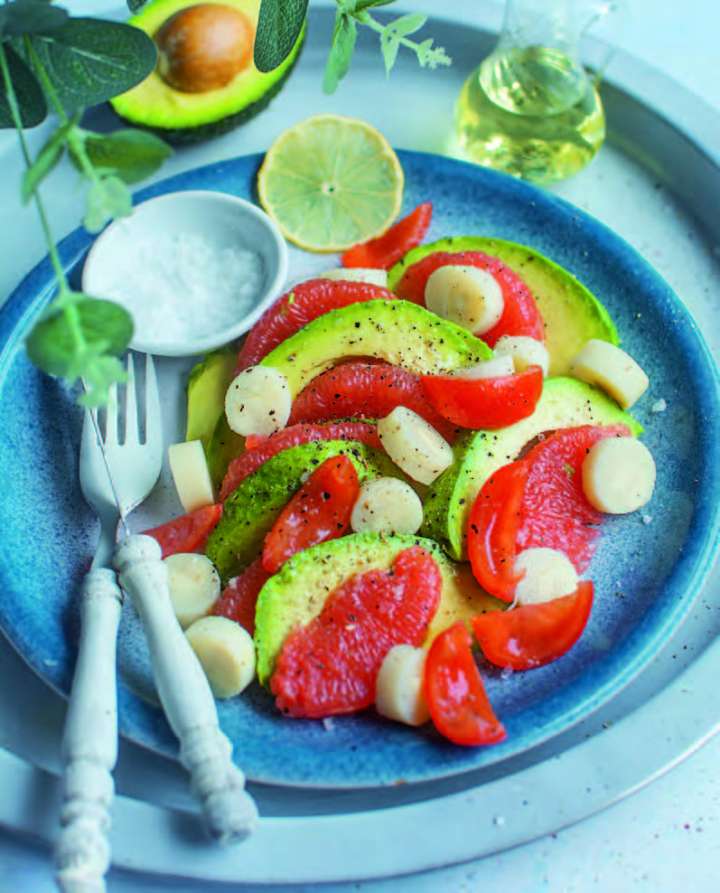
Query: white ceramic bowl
{"x":223,"y":220}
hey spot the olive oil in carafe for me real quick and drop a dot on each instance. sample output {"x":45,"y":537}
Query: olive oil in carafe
{"x":530,"y":111}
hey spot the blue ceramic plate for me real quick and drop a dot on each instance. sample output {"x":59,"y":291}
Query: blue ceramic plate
{"x":646,"y":574}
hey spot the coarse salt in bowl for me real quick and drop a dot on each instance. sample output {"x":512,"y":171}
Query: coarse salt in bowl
{"x":195,"y":270}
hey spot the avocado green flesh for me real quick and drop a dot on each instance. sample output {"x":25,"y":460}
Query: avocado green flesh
{"x":398,"y":332}
{"x":565,"y":403}
{"x":572,"y":314}
{"x":297,"y":593}
{"x":192,"y":117}
{"x":251,"y":510}
{"x":207,"y":385}
{"x":224,"y":446}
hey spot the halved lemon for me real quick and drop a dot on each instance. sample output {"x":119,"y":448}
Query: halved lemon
{"x":331,"y":182}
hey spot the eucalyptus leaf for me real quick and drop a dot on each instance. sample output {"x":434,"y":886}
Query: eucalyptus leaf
{"x":30,"y":17}
{"x":52,"y":345}
{"x":407,"y":24}
{"x":46,"y":160}
{"x":279,"y":25}
{"x":29,"y":94}
{"x":131,"y":155}
{"x":341,"y":51}
{"x":89,"y":60}
{"x":107,"y":199}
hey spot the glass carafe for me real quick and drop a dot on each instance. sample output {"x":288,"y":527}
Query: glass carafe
{"x":530,"y":108}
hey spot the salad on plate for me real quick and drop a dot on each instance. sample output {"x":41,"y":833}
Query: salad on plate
{"x":400,"y":476}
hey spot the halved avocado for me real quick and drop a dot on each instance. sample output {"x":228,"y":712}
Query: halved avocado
{"x":180,"y":116}
{"x":396,"y":331}
{"x":252,"y":508}
{"x":572,"y":314}
{"x":565,"y":403}
{"x":295,"y":595}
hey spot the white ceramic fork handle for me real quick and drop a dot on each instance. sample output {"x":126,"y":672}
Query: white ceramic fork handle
{"x":206,"y":753}
{"x":89,"y":749}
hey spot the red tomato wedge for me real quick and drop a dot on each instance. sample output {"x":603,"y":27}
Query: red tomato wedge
{"x":264,"y":448}
{"x":520,"y":315}
{"x":365,"y":390}
{"x":329,"y":666}
{"x":459,"y":707}
{"x":532,"y":635}
{"x":319,"y":511}
{"x":188,"y":533}
{"x":385,"y":251}
{"x":492,"y":530}
{"x":554,"y":512}
{"x":298,"y":307}
{"x":239,"y":597}
{"x":485,"y":402}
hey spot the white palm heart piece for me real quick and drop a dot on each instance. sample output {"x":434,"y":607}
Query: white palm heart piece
{"x":115,"y":478}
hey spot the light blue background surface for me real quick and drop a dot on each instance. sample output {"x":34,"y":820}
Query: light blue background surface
{"x":666,"y":837}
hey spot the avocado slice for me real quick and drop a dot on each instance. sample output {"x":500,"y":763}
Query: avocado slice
{"x":252,"y":509}
{"x":224,"y":446}
{"x":399,"y":332}
{"x":190,"y":117}
{"x":565,"y":403}
{"x":207,"y":383}
{"x":297,"y":593}
{"x":572,"y":314}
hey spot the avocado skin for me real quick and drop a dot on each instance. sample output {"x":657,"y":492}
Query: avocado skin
{"x":252,"y":509}
{"x":190,"y":136}
{"x":571,"y":312}
{"x":297,"y":593}
{"x":565,"y":403}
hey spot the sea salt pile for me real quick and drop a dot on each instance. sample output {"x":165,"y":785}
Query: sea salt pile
{"x":182,"y":287}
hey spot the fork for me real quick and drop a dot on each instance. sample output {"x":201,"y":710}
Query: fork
{"x":115,"y":477}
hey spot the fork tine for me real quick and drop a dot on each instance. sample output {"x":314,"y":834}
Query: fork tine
{"x":89,"y":438}
{"x":153,"y":420}
{"x":131,"y":416}
{"x":111,"y":412}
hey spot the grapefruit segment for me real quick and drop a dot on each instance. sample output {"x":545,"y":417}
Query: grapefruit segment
{"x":239,"y":597}
{"x":329,"y":666}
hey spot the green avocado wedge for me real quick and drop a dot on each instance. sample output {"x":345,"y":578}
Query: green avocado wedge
{"x":572,"y":314}
{"x":251,"y":510}
{"x":398,"y":332}
{"x":207,"y":384}
{"x":187,"y":118}
{"x":297,"y":593}
{"x":565,"y":403}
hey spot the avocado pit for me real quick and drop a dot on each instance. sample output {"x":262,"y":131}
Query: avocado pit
{"x":203,"y":47}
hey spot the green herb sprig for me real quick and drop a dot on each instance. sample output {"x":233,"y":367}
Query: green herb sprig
{"x":51,"y":62}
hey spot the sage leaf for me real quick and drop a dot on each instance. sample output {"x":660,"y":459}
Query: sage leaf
{"x":89,"y":61}
{"x":28,"y":92}
{"x":46,"y":160}
{"x":107,"y":199}
{"x":407,"y":24}
{"x":341,"y":51}
{"x":279,"y":25}
{"x":30,"y":17}
{"x":105,"y":327}
{"x":130,"y":155}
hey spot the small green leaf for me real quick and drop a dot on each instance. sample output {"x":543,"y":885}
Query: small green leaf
{"x":430,"y":56}
{"x":29,"y":94}
{"x":129,"y":154}
{"x":107,"y":200}
{"x":46,"y":160}
{"x":279,"y":25}
{"x":89,"y":60}
{"x":341,"y":51}
{"x":53,"y":344}
{"x":407,"y":24}
{"x":389,"y":44}
{"x":30,"y":17}
{"x":136,"y":5}
{"x":360,"y":5}
{"x":99,"y":373}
